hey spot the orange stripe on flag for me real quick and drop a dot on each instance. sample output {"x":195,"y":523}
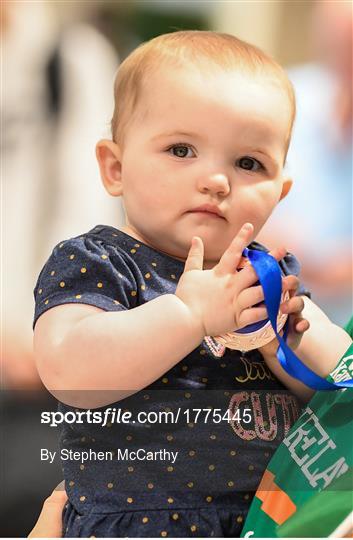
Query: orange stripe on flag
{"x":275,"y":502}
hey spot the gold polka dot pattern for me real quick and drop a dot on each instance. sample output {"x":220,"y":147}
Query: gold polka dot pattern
{"x":85,"y":274}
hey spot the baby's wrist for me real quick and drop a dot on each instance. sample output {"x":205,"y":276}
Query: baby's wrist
{"x":269,"y":351}
{"x":193,"y":320}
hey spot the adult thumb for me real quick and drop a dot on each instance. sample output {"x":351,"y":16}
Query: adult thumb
{"x":194,"y":259}
{"x":49,"y":523}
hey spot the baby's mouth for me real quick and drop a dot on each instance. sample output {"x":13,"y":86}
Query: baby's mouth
{"x":209,"y":215}
{"x":208,"y":210}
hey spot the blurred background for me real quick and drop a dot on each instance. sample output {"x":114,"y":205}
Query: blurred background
{"x":58,"y":65}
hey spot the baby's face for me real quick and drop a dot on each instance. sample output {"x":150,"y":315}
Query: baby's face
{"x":215,"y":139}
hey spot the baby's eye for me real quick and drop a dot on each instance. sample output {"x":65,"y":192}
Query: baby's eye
{"x":180,"y":150}
{"x":249,"y":164}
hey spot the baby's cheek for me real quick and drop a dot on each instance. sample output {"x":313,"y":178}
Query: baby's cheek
{"x":261,"y":202}
{"x":253,"y":209}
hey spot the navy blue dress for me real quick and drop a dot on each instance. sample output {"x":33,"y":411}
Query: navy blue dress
{"x":206,"y":488}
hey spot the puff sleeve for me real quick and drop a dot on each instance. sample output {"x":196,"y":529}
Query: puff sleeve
{"x":289,"y":266}
{"x":86,"y":271}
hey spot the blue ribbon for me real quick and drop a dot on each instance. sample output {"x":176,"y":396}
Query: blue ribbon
{"x":270,"y":278}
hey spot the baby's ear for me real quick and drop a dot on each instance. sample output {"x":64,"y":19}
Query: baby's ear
{"x":109,"y":159}
{"x":286,"y":187}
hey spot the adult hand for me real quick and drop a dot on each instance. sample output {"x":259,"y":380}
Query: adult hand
{"x":49,"y":523}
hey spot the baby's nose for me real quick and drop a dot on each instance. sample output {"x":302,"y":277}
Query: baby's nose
{"x":215,"y":183}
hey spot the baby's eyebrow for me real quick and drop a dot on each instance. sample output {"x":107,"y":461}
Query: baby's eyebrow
{"x":263,"y":152}
{"x":179,"y":133}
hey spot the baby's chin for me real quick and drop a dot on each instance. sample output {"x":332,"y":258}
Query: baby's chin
{"x":178,"y":245}
{"x":180,"y":250}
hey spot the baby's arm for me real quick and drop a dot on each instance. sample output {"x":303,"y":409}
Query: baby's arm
{"x":324,"y":343}
{"x":320,"y":348}
{"x":81,"y":347}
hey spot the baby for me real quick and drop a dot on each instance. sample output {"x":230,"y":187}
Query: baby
{"x":200,"y":132}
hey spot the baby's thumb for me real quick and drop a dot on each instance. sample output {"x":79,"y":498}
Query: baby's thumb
{"x":194,"y":260}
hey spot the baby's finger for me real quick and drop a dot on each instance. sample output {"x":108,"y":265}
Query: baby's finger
{"x":293,"y":305}
{"x":246,"y":277}
{"x":278,"y":253}
{"x":194,"y":259}
{"x":232,"y":255}
{"x":301,"y":325}
{"x":291,"y":284}
{"x":252,"y":315}
{"x":250,"y":297}
{"x":249,"y":277}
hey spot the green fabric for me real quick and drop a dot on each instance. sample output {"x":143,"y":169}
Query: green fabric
{"x":322,"y":514}
{"x":349,"y":327}
{"x":311,"y":470}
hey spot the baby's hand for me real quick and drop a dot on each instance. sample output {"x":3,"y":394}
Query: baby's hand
{"x":294,"y":307}
{"x":297,"y":324}
{"x":221,"y":299}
